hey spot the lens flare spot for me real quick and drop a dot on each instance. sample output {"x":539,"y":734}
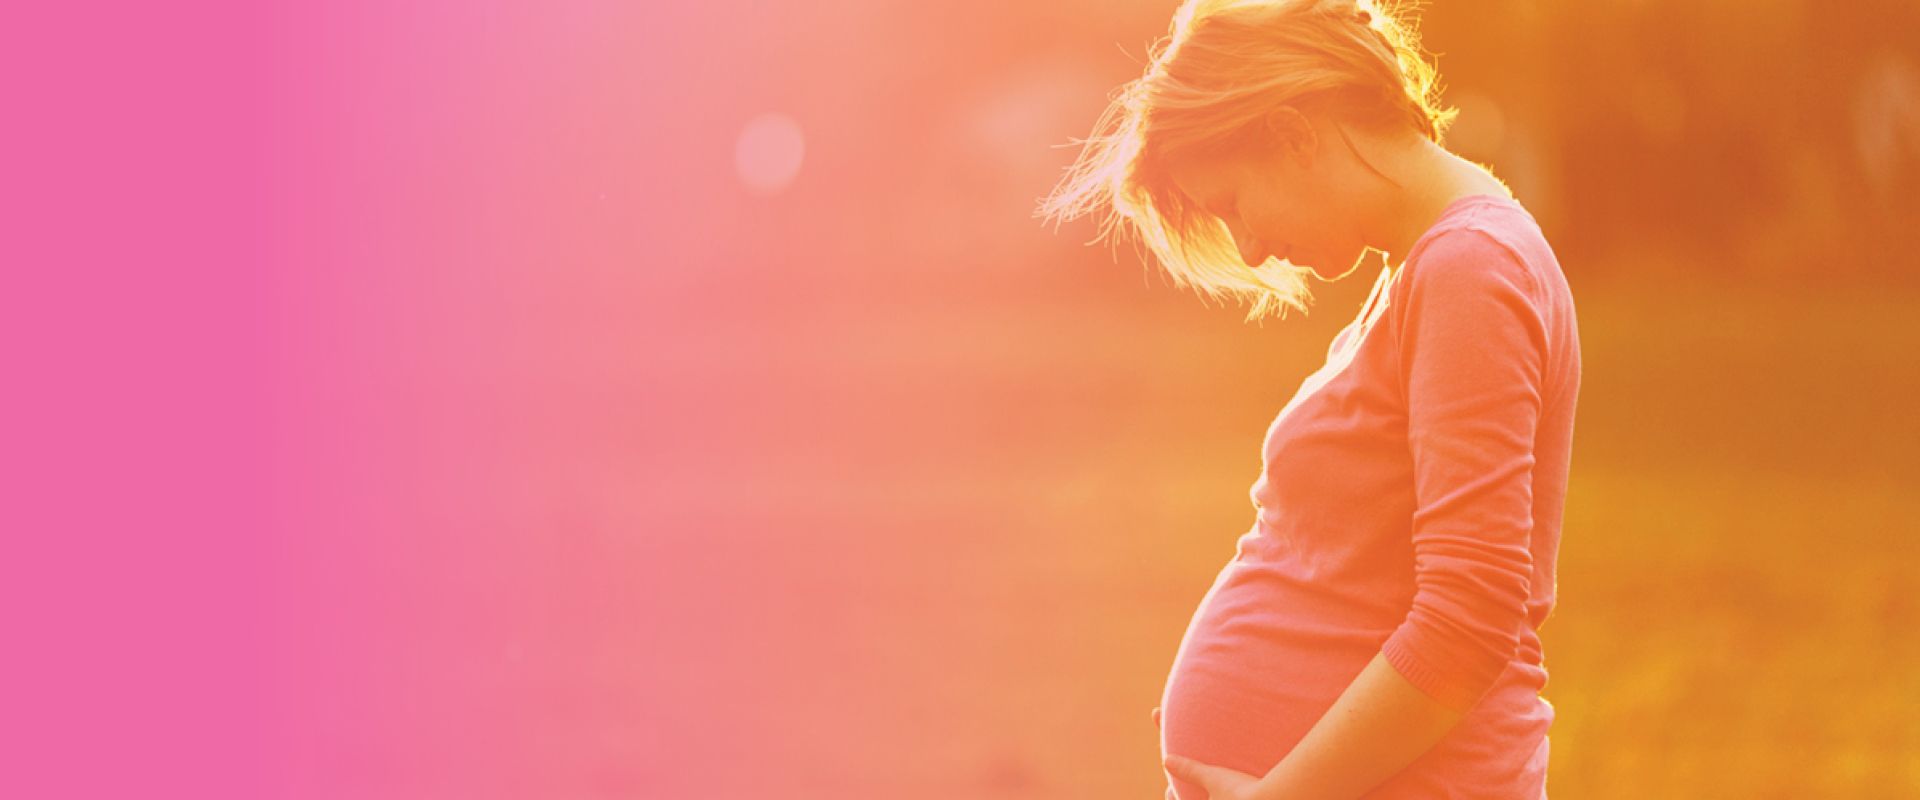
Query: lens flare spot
{"x":768,"y":153}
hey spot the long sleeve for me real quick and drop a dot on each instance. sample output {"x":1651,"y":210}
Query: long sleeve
{"x":1472,"y":354}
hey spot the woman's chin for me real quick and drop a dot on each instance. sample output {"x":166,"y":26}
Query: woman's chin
{"x":1304,"y":260}
{"x":1318,"y":267}
{"x":1329,"y":270}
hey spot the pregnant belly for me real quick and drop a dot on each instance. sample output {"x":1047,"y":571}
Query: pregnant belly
{"x":1262,"y":659}
{"x":1267,"y":653}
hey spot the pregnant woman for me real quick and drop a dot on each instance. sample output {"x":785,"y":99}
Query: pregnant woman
{"x":1374,"y":634}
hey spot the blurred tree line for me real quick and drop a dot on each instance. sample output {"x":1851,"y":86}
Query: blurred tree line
{"x":1776,"y":137}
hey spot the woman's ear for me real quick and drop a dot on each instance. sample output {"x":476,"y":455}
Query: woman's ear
{"x":1292,"y":133}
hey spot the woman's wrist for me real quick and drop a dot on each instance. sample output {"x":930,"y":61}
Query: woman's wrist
{"x":1280,"y":783}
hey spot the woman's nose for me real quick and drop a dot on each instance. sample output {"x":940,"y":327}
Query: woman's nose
{"x":1250,"y":251}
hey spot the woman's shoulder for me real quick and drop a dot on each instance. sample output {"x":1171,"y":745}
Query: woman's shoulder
{"x":1484,"y":264}
{"x":1486,"y":237}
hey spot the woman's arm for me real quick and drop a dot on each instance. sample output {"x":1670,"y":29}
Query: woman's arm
{"x":1472,"y":349}
{"x":1379,"y":725}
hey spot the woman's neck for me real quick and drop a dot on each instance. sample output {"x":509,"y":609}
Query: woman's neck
{"x":1436,"y":179}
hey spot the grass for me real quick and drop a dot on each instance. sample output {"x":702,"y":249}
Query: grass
{"x":992,"y":526}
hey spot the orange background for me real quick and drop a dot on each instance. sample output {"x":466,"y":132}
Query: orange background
{"x":435,"y":401}
{"x":642,"y":482}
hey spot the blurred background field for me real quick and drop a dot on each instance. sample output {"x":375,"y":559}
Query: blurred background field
{"x":619,"y":472}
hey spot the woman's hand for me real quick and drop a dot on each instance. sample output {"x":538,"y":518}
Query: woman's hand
{"x":1221,"y":783}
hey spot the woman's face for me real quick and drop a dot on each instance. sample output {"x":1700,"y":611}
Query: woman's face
{"x":1279,"y":201}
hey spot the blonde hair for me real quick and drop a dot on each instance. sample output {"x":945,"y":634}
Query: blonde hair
{"x":1223,"y":64}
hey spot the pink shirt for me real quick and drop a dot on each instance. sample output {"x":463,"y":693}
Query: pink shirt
{"x":1409,"y":502}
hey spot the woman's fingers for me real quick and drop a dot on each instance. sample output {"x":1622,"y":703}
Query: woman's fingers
{"x":1156,"y":716}
{"x":1207,"y":776}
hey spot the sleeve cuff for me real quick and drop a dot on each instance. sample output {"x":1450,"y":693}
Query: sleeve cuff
{"x":1451,"y":689}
